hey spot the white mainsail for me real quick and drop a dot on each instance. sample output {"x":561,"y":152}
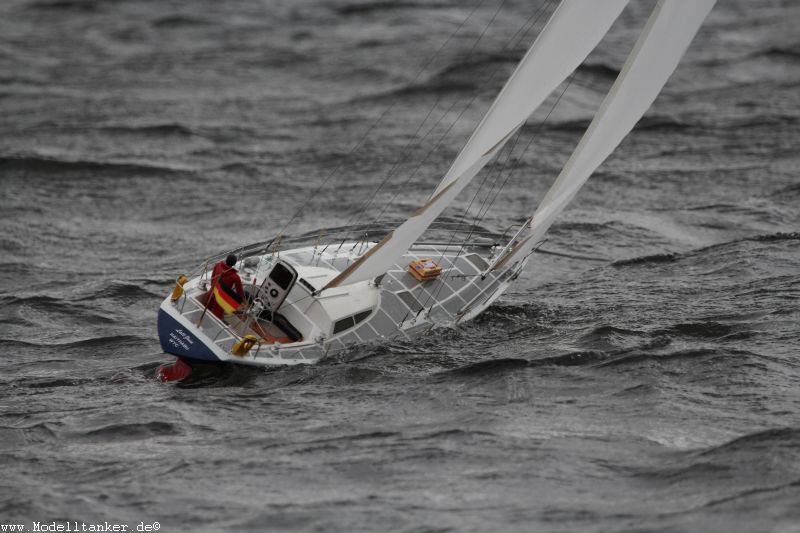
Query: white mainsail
{"x":664,"y":39}
{"x":574,"y":30}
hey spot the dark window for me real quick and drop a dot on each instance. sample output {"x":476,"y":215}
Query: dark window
{"x":362,"y":315}
{"x":282,"y":276}
{"x":307,"y":285}
{"x":343,"y":324}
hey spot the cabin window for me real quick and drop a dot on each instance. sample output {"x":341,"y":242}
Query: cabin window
{"x":343,"y":324}
{"x":307,"y":285}
{"x":282,"y":276}
{"x":362,"y":315}
{"x":349,"y":322}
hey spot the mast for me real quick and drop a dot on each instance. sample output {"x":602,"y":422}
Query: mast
{"x":572,"y":32}
{"x":666,"y":36}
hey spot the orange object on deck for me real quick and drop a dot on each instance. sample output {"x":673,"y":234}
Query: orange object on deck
{"x":424,"y":269}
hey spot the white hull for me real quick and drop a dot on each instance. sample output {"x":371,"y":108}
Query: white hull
{"x":399,"y":306}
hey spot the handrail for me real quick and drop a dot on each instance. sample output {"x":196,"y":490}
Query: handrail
{"x":214,"y":318}
{"x":357,"y":231}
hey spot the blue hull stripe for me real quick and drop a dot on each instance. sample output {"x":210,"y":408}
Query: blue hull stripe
{"x":175,"y":339}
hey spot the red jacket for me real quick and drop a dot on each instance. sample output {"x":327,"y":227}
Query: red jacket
{"x":230,"y":277}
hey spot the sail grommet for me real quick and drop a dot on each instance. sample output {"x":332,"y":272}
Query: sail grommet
{"x":177,"y":292}
{"x":241,"y":348}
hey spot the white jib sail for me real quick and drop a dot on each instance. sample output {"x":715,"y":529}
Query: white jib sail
{"x":664,"y":39}
{"x":571,"y":33}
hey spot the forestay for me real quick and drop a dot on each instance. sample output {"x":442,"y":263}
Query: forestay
{"x":664,"y":39}
{"x":575,"y":28}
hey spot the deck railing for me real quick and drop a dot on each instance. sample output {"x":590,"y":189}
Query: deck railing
{"x":449,"y":233}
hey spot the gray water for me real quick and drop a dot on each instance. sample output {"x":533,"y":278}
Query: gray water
{"x":649,"y":382}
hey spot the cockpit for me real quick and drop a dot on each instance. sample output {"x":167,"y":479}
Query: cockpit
{"x":284,"y":304}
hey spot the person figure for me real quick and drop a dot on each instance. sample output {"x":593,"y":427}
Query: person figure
{"x":227,"y":292}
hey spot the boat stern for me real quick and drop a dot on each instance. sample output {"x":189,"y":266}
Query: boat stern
{"x":178,"y":339}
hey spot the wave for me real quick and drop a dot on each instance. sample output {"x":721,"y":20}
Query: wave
{"x":647,"y":123}
{"x":366,"y":8}
{"x":96,"y":342}
{"x":245,"y":169}
{"x":53,"y":383}
{"x":115,"y":432}
{"x":655,"y":258}
{"x":357,"y":437}
{"x":676,"y":256}
{"x":161,"y":130}
{"x":637,"y":356}
{"x":789,"y":52}
{"x":17,"y":437}
{"x":434,"y":87}
{"x":466,"y":76}
{"x":788,"y":437}
{"x":507,"y":313}
{"x":787,"y":193}
{"x":773,"y":237}
{"x":214,"y":375}
{"x":765,"y":238}
{"x":727,"y":208}
{"x":15,"y":269}
{"x":41,"y":165}
{"x":614,"y":227}
{"x":179,"y":21}
{"x":673,"y":123}
{"x":87,"y":6}
{"x":337,"y":375}
{"x":607,"y":337}
{"x":664,"y":123}
{"x":125,"y":292}
{"x":599,"y":70}
{"x":50,"y":304}
{"x":491,"y":367}
{"x":757,"y":457}
{"x":487,"y":367}
{"x":706,"y":330}
{"x":650,"y":350}
{"x":452,"y":433}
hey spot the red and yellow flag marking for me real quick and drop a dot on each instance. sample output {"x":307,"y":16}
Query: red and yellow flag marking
{"x":226,"y":298}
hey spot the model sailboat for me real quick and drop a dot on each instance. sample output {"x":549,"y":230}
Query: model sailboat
{"x":307,"y":303}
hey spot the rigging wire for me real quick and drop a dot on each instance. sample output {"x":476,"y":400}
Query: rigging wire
{"x":452,"y":238}
{"x":513,"y":42}
{"x":447,"y":112}
{"x":499,"y":173}
{"x":509,"y":153}
{"x":525,"y":150}
{"x":537,"y":15}
{"x":405,"y":152}
{"x":375,"y":123}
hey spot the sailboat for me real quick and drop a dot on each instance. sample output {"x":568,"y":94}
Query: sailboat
{"x":307,"y":303}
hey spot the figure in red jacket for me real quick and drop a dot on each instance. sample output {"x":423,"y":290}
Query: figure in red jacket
{"x":226,"y":292}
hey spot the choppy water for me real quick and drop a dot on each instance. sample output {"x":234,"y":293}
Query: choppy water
{"x":652,"y":386}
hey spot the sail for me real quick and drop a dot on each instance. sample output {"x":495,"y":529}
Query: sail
{"x":664,"y":39}
{"x":571,"y":33}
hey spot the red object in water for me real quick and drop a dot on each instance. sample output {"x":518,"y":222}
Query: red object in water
{"x":177,"y":371}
